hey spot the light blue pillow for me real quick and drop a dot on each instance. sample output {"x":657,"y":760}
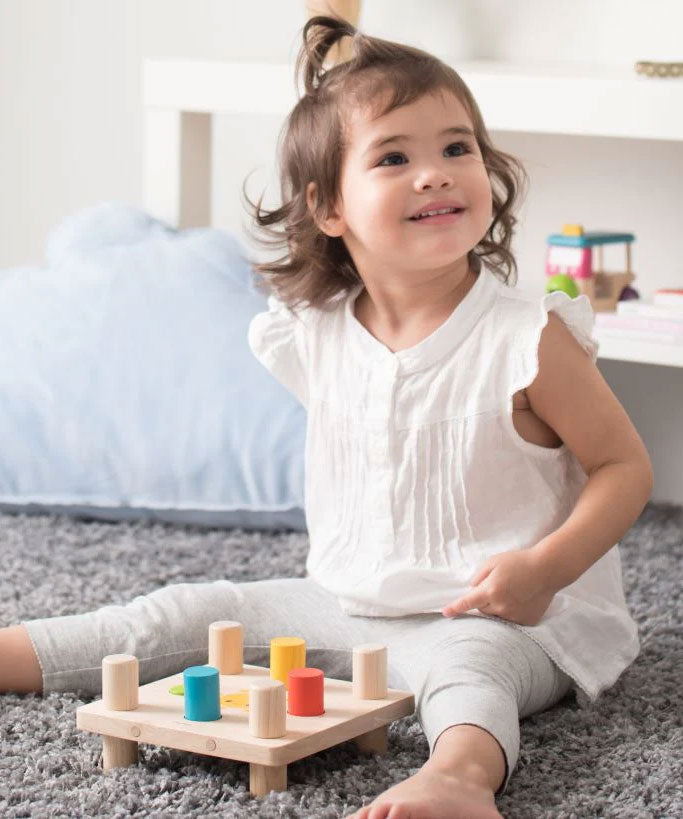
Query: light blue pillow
{"x":127,"y":386}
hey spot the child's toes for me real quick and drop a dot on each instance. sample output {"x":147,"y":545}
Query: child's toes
{"x":385,"y":810}
{"x":359,"y":814}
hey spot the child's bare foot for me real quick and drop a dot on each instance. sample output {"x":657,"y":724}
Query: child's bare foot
{"x":432,"y":793}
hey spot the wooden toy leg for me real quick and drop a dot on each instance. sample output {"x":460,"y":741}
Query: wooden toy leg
{"x":374,"y":742}
{"x":118,"y":753}
{"x":266,"y":778}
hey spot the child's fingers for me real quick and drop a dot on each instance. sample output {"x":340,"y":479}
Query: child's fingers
{"x":483,"y":571}
{"x":474,"y":600}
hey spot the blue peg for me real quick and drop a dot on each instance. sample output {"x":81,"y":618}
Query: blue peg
{"x":202,"y":693}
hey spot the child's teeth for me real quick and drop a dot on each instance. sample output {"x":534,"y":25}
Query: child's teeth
{"x":436,"y":212}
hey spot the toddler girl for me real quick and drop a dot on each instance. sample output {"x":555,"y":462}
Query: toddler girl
{"x":468,"y":470}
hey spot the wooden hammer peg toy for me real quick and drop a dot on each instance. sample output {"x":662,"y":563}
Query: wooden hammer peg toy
{"x":202,"y":711}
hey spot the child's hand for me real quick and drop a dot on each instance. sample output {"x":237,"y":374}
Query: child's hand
{"x":511,"y":585}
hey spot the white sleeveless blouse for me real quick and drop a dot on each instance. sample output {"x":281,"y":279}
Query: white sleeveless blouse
{"x":415,"y":473}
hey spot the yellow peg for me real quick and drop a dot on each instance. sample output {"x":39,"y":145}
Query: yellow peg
{"x":286,"y":653}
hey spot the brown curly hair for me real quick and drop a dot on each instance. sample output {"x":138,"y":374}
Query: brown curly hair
{"x":316,"y":267}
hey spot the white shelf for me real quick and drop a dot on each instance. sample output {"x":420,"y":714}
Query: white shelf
{"x":554,"y":98}
{"x":643,"y":352}
{"x":219,"y":87}
{"x":587,"y":100}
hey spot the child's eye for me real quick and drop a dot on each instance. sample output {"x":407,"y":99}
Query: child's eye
{"x":463,"y":145}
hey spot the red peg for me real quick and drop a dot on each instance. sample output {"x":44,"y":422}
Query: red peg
{"x":305,"y":692}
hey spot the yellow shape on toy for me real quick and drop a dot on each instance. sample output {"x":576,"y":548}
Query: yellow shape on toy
{"x":572,"y":230}
{"x":286,"y":653}
{"x":237,"y":699}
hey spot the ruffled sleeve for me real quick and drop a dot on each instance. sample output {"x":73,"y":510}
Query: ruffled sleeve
{"x":277,"y":339}
{"x":577,"y":314}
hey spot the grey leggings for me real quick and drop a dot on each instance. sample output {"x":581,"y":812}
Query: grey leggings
{"x":467,"y":669}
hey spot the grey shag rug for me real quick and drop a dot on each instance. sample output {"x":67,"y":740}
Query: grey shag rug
{"x":621,"y":757}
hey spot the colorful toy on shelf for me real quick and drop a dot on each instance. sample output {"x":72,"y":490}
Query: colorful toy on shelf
{"x":266,"y":717}
{"x":563,"y":282}
{"x":570,"y":257}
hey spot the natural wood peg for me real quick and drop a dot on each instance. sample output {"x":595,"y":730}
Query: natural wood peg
{"x":120,"y":682}
{"x":226,"y":646}
{"x":370,"y":671}
{"x":267,"y":709}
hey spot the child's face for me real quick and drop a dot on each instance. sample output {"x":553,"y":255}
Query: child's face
{"x":382,"y":187}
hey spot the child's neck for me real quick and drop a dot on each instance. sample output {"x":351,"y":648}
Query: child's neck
{"x":399,"y":328}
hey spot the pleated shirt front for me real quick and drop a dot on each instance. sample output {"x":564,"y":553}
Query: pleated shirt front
{"x":415,"y":473}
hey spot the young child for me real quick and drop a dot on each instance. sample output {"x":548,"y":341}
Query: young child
{"x":468,"y":470}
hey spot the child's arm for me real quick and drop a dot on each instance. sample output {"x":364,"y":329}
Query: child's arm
{"x":571,"y":396}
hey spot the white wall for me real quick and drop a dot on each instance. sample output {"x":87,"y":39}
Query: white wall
{"x":70,"y":95}
{"x":70,"y":99}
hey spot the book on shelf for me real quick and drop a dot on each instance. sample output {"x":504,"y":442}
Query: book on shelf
{"x":640,"y":335}
{"x":666,"y":296}
{"x":635,"y":307}
{"x":640,"y":328}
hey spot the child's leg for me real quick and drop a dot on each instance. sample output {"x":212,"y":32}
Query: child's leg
{"x":485,"y":675}
{"x":19,"y":667}
{"x":473,"y":678}
{"x":167,"y":631}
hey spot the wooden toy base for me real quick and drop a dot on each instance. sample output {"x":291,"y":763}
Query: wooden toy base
{"x":159,"y":720}
{"x":604,"y":289}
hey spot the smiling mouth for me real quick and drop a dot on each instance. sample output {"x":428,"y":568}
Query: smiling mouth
{"x":452,"y":216}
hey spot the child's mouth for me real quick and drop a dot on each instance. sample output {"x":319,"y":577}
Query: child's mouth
{"x":438,"y":219}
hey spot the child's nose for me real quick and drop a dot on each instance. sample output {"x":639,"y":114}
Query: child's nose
{"x":432,"y":180}
{"x":433,"y":177}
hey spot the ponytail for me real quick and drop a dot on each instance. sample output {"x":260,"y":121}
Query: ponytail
{"x":320,"y":35}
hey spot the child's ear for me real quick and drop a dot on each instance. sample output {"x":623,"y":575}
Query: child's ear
{"x":331,"y":226}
